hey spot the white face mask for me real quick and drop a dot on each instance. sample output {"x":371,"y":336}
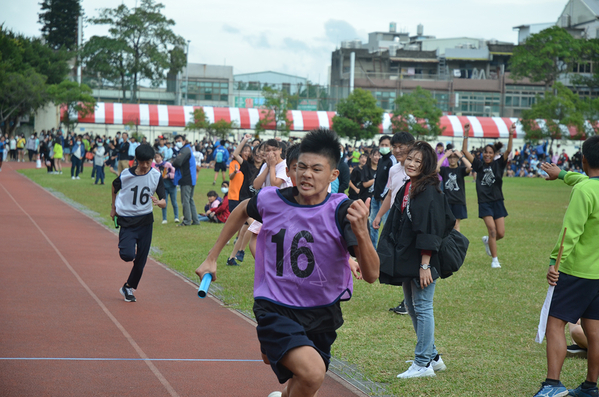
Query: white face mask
{"x":179,"y":144}
{"x":225,"y":190}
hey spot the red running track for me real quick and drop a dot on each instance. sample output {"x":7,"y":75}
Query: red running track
{"x":66,"y":331}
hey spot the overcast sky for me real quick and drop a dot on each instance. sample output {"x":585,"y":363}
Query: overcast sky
{"x":298,"y":37}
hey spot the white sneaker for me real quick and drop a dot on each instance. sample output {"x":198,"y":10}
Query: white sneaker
{"x":438,"y":365}
{"x":486,"y":243}
{"x":275,"y":394}
{"x":495,"y":265}
{"x":177,"y":220}
{"x":416,"y":371}
{"x":73,"y":178}
{"x":164,"y":222}
{"x":77,"y":177}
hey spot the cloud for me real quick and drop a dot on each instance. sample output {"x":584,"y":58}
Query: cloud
{"x":259,"y":41}
{"x":231,"y":29}
{"x":295,"y":45}
{"x":337,"y":30}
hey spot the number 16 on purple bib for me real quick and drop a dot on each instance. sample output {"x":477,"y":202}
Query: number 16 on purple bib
{"x":204,"y":285}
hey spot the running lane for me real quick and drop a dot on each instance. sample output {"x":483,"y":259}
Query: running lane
{"x":66,"y":331}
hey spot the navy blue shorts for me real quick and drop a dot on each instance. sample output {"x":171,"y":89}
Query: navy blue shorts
{"x":575,"y":298}
{"x":459,"y":211}
{"x":278,"y":335}
{"x":233,"y":204}
{"x":496,"y":209}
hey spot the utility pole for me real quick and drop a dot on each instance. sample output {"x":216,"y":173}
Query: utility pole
{"x":187,"y":73}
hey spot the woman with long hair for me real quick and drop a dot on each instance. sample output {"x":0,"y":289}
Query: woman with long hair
{"x":408,"y":249}
{"x":489,"y":182}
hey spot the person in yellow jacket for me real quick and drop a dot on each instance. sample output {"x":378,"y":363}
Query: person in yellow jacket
{"x":21,"y":148}
{"x":58,"y":155}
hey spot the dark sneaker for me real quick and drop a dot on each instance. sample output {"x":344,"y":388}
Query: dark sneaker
{"x":400,"y":309}
{"x":580,"y":392}
{"x":240,"y":255}
{"x":576,"y":349}
{"x":128,"y":294}
{"x":548,"y":390}
{"x":231,"y":262}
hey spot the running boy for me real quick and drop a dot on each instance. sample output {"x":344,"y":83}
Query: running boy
{"x":132,"y":199}
{"x":306,"y":238}
{"x":453,"y":183}
{"x":576,"y":293}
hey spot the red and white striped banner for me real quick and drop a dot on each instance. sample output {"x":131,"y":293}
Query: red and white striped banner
{"x":180,"y":116}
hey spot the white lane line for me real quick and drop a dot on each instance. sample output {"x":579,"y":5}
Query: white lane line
{"x":134,"y":344}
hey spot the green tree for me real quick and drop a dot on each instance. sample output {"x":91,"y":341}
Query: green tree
{"x":589,"y":53}
{"x":27,"y":68}
{"x":417,"y":113}
{"x":220,"y":129}
{"x":558,"y":108}
{"x":358,"y":117}
{"x":590,"y":109}
{"x":200,"y":121}
{"x":544,"y":56}
{"x":59,"y":19}
{"x":276,"y":106}
{"x":77,"y":99}
{"x":140,"y":45}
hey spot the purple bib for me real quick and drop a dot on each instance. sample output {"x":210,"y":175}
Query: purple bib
{"x":301,"y":255}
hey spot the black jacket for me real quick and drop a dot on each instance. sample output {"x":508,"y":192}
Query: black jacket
{"x":343,"y":176}
{"x":421,"y":226}
{"x":382,"y":174}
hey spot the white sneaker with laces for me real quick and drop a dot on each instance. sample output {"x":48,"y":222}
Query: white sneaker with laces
{"x":495,"y":265}
{"x":164,"y":222}
{"x":177,"y":220}
{"x":486,"y":243}
{"x":438,"y":365}
{"x":416,"y":371}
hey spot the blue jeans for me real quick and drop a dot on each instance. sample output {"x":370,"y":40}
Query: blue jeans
{"x":375,"y":205}
{"x":99,"y":169}
{"x":170,"y":190}
{"x":419,"y":303}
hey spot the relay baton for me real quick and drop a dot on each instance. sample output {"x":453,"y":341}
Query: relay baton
{"x":204,"y":285}
{"x":116,"y":225}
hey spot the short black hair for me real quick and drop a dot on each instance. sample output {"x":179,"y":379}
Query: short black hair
{"x":402,"y":138}
{"x":381,"y":139}
{"x":272,"y":142}
{"x":144,"y":152}
{"x":324,"y":142}
{"x":292,"y":154}
{"x":212,"y":193}
{"x":590,"y":151}
{"x":179,"y":136}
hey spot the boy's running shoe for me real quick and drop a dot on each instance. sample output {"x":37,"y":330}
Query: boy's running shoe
{"x":231,"y":262}
{"x":416,"y":371}
{"x":127,"y":293}
{"x":574,"y":349}
{"x":486,"y":243}
{"x":548,"y":390}
{"x":495,"y":265}
{"x":580,"y":392}
{"x":275,"y":394}
{"x":240,"y":255}
{"x":438,"y":364}
{"x":399,"y":309}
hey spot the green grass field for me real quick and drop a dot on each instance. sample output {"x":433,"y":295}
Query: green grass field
{"x":486,"y":318}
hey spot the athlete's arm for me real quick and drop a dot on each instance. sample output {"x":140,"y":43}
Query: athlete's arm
{"x":233,"y":224}
{"x":467,"y":154}
{"x":510,"y":142}
{"x":357,"y":214}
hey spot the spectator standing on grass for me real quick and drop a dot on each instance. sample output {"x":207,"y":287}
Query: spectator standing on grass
{"x":221,"y":156}
{"x":21,"y":148}
{"x":77,"y":153}
{"x":185,"y":177}
{"x":58,"y":155}
{"x":489,"y":183}
{"x":341,"y":184}
{"x":168,"y":175}
{"x":577,"y":282}
{"x":123,"y":151}
{"x":12,"y":144}
{"x":355,"y":178}
{"x":99,"y":155}
{"x":418,"y":221}
{"x":453,"y":183}
{"x":133,"y":144}
{"x":369,"y":175}
{"x":385,"y":163}
{"x":31,"y":147}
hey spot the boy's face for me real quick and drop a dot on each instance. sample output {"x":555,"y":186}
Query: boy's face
{"x":385,"y":143}
{"x":144,"y":166}
{"x":453,"y":160}
{"x":400,"y":151}
{"x":314,"y":174}
{"x":292,"y":172}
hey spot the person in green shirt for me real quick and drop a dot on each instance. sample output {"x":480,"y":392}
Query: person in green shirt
{"x":576,"y":294}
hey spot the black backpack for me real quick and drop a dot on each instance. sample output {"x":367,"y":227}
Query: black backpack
{"x":452,"y":252}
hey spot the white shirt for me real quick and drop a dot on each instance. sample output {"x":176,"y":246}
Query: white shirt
{"x":280,"y":172}
{"x":199,"y":156}
{"x":397,"y":178}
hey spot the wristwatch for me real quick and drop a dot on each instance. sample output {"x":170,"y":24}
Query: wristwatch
{"x":425,"y":266}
